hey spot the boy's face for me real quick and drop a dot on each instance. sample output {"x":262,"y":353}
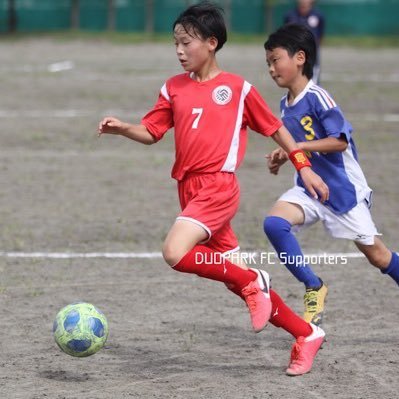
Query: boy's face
{"x":192,"y":51}
{"x":283,"y":68}
{"x":305,"y":6}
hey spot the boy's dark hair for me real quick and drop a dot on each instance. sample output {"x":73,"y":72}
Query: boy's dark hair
{"x":294,"y":38}
{"x":205,"y":20}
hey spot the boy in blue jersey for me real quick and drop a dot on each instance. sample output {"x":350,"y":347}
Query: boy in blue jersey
{"x":321,"y":130}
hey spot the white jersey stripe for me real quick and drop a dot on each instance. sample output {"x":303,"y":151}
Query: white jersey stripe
{"x":326,"y":95}
{"x":328,"y":100}
{"x":231,"y":160}
{"x":321,"y":99}
{"x":356,"y":175}
{"x":164,"y":92}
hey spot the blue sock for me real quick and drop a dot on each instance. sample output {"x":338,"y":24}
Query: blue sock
{"x":278,"y":230}
{"x":393,"y":268}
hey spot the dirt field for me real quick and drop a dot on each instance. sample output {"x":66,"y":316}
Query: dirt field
{"x":171,"y":335}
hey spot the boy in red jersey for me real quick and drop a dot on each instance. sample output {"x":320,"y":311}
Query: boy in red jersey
{"x":210,"y":111}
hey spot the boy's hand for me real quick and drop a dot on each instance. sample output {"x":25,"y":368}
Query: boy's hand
{"x":314,"y":184}
{"x":111,"y":125}
{"x":275,"y":159}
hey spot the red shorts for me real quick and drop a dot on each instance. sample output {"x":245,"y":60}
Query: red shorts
{"x":211,"y":201}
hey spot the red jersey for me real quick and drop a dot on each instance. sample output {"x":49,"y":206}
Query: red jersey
{"x":210,"y":120}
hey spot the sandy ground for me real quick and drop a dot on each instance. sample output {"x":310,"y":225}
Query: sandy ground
{"x":171,"y":335}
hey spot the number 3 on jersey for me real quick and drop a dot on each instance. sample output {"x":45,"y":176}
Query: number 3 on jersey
{"x":307,"y":123}
{"x":198,"y":112}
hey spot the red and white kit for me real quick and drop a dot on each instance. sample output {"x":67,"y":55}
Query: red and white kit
{"x":210,"y":121}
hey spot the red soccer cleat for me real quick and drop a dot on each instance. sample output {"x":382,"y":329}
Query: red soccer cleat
{"x":257,"y":297}
{"x":304,"y":351}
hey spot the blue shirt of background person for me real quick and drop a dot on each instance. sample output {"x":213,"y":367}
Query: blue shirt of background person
{"x":306,"y":14}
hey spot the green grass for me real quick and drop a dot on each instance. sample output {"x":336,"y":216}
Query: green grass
{"x":237,"y":38}
{"x":363,"y":41}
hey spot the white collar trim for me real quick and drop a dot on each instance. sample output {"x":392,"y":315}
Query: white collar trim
{"x":300,"y":95}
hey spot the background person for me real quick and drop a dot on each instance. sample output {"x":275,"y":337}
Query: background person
{"x":306,"y":14}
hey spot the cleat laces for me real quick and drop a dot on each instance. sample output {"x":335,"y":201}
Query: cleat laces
{"x":296,"y":352}
{"x":249,"y":293}
{"x":311,"y":301}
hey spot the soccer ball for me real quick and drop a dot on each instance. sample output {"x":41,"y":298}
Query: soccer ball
{"x":80,"y":329}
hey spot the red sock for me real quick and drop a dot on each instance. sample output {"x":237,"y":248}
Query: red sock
{"x":283,"y":316}
{"x":207,"y":263}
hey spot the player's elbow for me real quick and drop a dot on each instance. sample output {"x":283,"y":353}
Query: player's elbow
{"x":146,"y":137}
{"x":149,"y":140}
{"x":342,"y":145}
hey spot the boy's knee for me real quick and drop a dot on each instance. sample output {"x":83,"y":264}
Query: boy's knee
{"x":379,"y":258}
{"x":171,"y":254}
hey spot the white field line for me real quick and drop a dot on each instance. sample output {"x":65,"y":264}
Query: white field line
{"x":79,"y":113}
{"x":68,"y":65}
{"x":360,"y":78}
{"x":66,"y":113}
{"x":141,"y":255}
{"x":61,"y":66}
{"x":72,"y":255}
{"x":54,"y":67}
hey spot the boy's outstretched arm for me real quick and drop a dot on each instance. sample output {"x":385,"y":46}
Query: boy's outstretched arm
{"x":313,"y":182}
{"x":326,"y":145}
{"x":278,"y":157}
{"x":139,"y":133}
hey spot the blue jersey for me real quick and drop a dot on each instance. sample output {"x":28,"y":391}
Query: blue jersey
{"x":312,"y":116}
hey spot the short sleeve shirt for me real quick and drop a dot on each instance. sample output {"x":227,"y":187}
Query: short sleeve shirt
{"x":210,"y":121}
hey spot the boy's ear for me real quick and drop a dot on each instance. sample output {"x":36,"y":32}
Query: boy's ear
{"x":301,"y":57}
{"x":213,"y":43}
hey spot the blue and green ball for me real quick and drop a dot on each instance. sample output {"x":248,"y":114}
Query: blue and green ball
{"x":80,"y":329}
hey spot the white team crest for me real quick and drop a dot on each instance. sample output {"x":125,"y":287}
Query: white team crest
{"x":222,"y":95}
{"x":313,"y":21}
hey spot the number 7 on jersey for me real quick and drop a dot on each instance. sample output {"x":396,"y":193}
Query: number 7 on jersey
{"x":198,"y":112}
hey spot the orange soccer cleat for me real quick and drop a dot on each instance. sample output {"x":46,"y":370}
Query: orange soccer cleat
{"x":304,"y":351}
{"x":257,"y":297}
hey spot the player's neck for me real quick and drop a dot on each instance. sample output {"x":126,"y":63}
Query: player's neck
{"x":296,"y":88}
{"x":207,"y":72}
